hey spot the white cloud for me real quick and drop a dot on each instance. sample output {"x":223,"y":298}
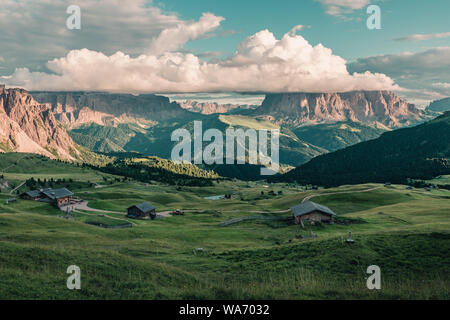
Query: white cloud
{"x":107,"y":26}
{"x":172,"y":39}
{"x":426,"y":73}
{"x":423,"y":37}
{"x":261,"y":63}
{"x":339,"y":7}
{"x":444,"y":85}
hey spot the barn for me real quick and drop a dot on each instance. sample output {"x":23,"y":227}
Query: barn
{"x":142,"y":211}
{"x":311,"y":211}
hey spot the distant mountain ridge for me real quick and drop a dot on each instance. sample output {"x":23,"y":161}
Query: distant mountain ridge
{"x":213,"y":107}
{"x":380,"y":108}
{"x":442,"y":105}
{"x":74,"y":109}
{"x":421,"y":152}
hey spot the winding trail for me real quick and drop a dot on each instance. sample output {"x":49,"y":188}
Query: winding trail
{"x":96,"y":215}
{"x":308,"y":198}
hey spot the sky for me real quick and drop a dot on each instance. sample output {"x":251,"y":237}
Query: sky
{"x":198,"y":46}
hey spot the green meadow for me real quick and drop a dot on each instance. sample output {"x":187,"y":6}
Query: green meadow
{"x":404,"y":232}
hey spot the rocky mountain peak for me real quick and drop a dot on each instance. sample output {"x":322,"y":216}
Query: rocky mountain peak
{"x":28,"y":126}
{"x":369,"y":107}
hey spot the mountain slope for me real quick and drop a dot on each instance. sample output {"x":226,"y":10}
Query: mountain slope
{"x":420,"y":152}
{"x":442,"y":105}
{"x":382,"y":108}
{"x":29,"y":126}
{"x":335,"y":136}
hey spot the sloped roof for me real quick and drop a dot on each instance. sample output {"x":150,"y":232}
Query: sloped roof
{"x":33,"y":193}
{"x":308,"y":207}
{"x":57,"y":193}
{"x":144,"y":207}
{"x":36,"y":193}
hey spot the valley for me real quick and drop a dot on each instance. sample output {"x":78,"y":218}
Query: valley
{"x":222,"y":231}
{"x":403,"y":231}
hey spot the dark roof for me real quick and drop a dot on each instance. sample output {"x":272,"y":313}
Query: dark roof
{"x":57,"y":193}
{"x":308,"y":207}
{"x":33,"y":193}
{"x":144,"y":207}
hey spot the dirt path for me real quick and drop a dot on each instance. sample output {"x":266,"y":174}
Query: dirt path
{"x":96,"y":215}
{"x":308,"y":198}
{"x":12,"y":191}
{"x":84,"y":206}
{"x":311,"y":196}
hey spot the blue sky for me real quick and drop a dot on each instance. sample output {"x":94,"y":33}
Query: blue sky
{"x":180,"y":46}
{"x":348,"y":36}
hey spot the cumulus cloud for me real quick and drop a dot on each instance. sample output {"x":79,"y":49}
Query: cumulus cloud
{"x":339,"y":7}
{"x":423,"y":37}
{"x":261,"y":63}
{"x":107,"y":26}
{"x":418,"y":71}
{"x":172,"y":39}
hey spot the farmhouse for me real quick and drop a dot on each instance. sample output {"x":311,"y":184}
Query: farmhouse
{"x":142,"y":211}
{"x":59,"y":197}
{"x":313,"y":212}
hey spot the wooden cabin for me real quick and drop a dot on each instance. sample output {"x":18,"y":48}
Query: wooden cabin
{"x":311,"y":211}
{"x":33,"y":195}
{"x":59,"y":197}
{"x":142,"y":211}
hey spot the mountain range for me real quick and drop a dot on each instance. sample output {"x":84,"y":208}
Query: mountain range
{"x":60,"y":124}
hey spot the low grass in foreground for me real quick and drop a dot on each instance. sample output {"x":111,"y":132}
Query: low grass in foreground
{"x":405,"y":232}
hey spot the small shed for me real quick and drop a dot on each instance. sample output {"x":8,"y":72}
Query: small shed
{"x":142,"y":211}
{"x":313,"y":212}
{"x":8,"y":201}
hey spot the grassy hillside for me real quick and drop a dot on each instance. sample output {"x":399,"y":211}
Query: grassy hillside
{"x":339,"y":135}
{"x":147,"y":169}
{"x":421,"y":152}
{"x":405,"y":232}
{"x":17,"y":168}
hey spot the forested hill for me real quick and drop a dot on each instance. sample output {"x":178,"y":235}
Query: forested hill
{"x":420,"y":152}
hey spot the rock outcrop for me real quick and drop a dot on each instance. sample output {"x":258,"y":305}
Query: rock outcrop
{"x":29,"y":126}
{"x":382,"y":108}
